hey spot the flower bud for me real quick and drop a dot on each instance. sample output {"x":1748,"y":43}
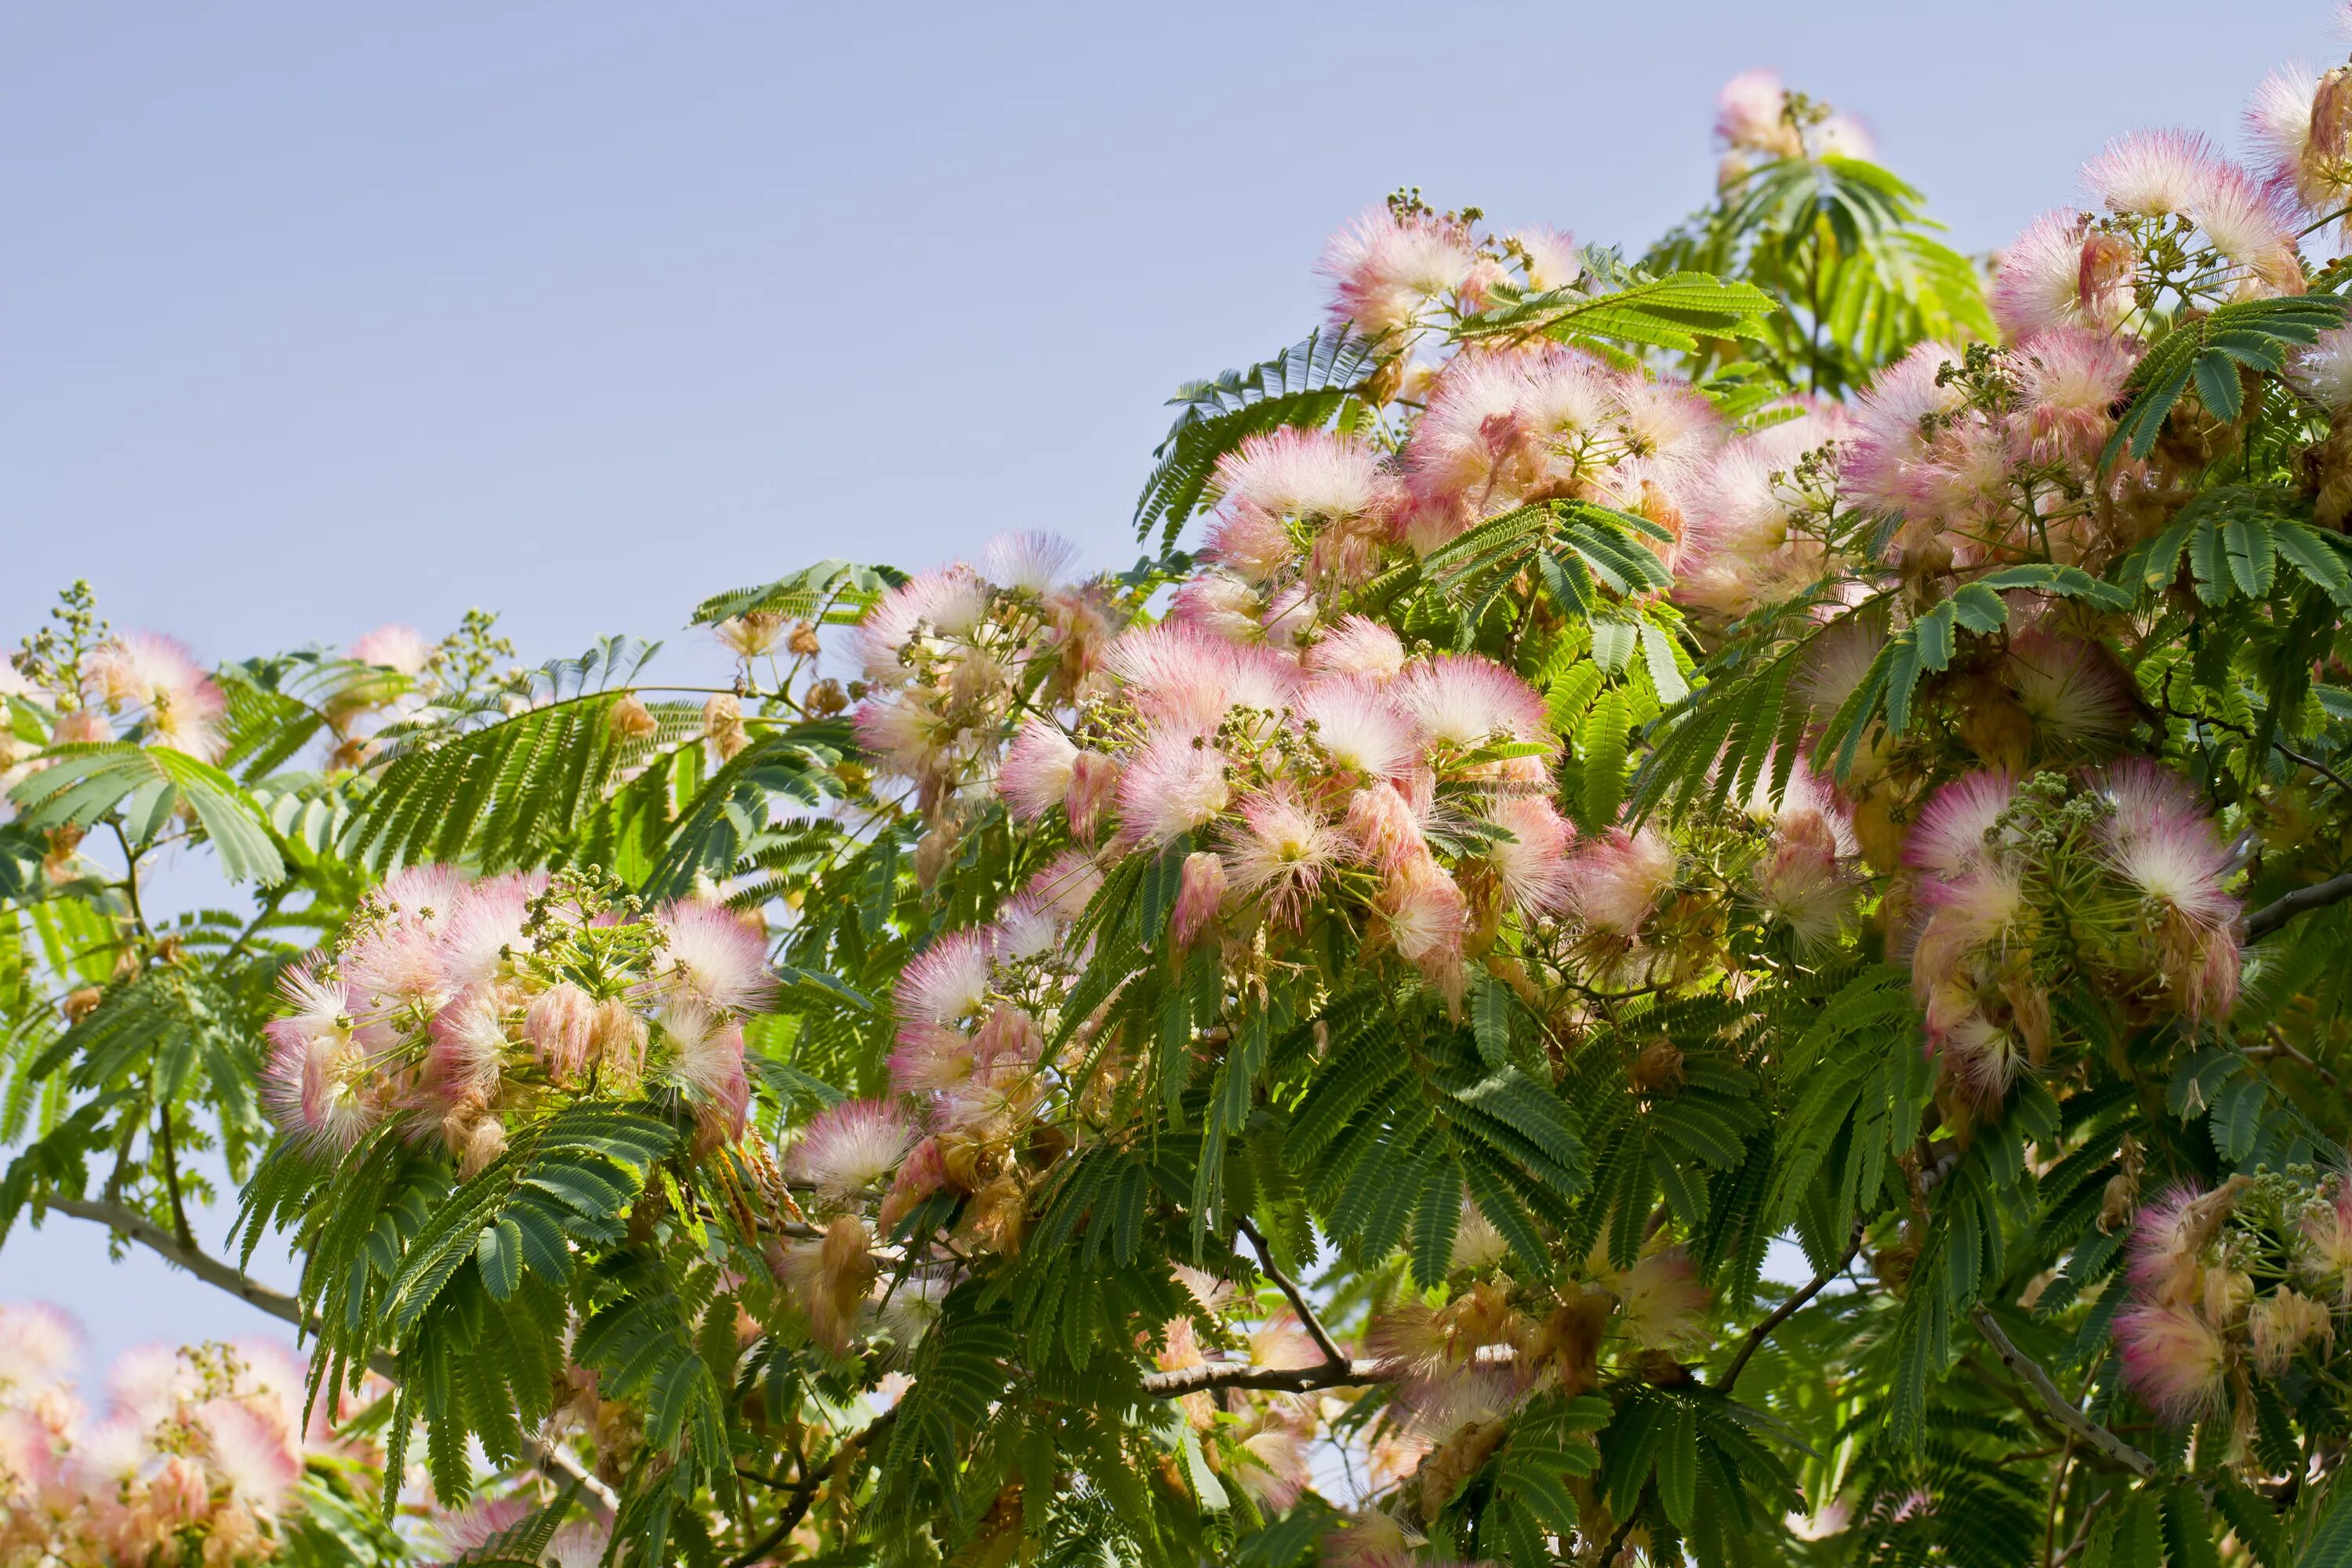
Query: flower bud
{"x":1094,"y":779}
{"x":560,"y":1025}
{"x":723,"y":735}
{"x":81,"y":726}
{"x":617,"y":1040}
{"x":1201,"y":889}
{"x":484,"y":1144}
{"x":631,"y":720}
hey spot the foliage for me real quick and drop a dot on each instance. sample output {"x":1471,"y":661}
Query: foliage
{"x":1309,"y":1046}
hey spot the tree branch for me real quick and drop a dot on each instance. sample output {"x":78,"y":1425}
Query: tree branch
{"x":1218,"y":1374}
{"x":557,"y":1462}
{"x":1783,"y":1312}
{"x":2069,"y":1415}
{"x":1332,"y":1354}
{"x":2319,"y":895}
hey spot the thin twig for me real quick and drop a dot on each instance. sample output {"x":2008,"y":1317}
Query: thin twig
{"x":556,"y":1461}
{"x":2069,"y":1414}
{"x":804,"y":1494}
{"x":1784,"y":1311}
{"x":1332,"y":1354}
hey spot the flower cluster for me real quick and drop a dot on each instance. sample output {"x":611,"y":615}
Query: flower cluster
{"x":949,"y":659}
{"x":197,"y":1451}
{"x":2117,"y":878}
{"x":2241,"y":1280}
{"x":449,"y":1007}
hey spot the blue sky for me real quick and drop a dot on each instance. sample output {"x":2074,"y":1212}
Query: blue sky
{"x":316,"y":317}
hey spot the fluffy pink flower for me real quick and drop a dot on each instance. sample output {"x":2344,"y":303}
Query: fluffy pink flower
{"x":398,"y":647}
{"x":312,"y":1091}
{"x":259,"y":1461}
{"x":1034,"y":777}
{"x":949,"y":603}
{"x":1357,"y":645}
{"x":1316,"y":476}
{"x":1950,"y":836}
{"x":1094,"y":785}
{"x":714,"y":957}
{"x":1531,"y":864}
{"x":1179,"y":677}
{"x":2278,"y":122}
{"x":708,"y":1065}
{"x":1033,"y":563}
{"x":851,"y":1147}
{"x":1362,"y":730}
{"x":1387,"y":271}
{"x":1255,"y":545}
{"x":467,"y":1056}
{"x":1172,"y":787}
{"x":1066,"y":886}
{"x":2172,"y":1359}
{"x":37,"y":1346}
{"x":2152,"y":173}
{"x":923,"y":1173}
{"x":2252,"y":225}
{"x":1747,"y":114}
{"x":1466,"y":700}
{"x":1614,"y":880}
{"x":1280,"y":850}
{"x":2076,"y":698}
{"x":1879,"y":464}
{"x":1225,"y":607}
{"x":2323,"y":369}
{"x":2071,"y":378}
{"x":486,"y":927}
{"x":1385,"y":824}
{"x":2162,"y":843}
{"x":1548,"y":257}
{"x":947,"y":982}
{"x":930,"y":1058}
{"x":182,"y":707}
{"x":2060,"y":272}
{"x":1427,"y":920}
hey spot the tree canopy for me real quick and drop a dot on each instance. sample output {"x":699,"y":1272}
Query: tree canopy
{"x":1303,"y":1049}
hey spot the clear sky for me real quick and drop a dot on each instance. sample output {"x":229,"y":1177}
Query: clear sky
{"x":314,"y":316}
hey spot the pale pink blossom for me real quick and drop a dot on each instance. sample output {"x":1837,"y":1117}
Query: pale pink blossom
{"x":1466,"y":700}
{"x":560,"y":1025}
{"x":1225,"y":607}
{"x":1034,"y":777}
{"x":947,"y":981}
{"x":710,"y":954}
{"x":2278,"y":122}
{"x":1172,"y":785}
{"x":949,"y":603}
{"x":1315,"y":476}
{"x":708,"y":1064}
{"x":1032,"y":563}
{"x":2253,"y":226}
{"x":1357,"y":646}
{"x":1255,"y":545}
{"x":1425,"y":919}
{"x":1880,"y":463}
{"x":37,"y":1346}
{"x":2153,"y":173}
{"x":395,"y":647}
{"x":179,"y":703}
{"x":1748,"y":115}
{"x":2076,"y":696}
{"x":1614,"y":880}
{"x":1548,"y":257}
{"x":1361,"y":729}
{"x":2071,"y":378}
{"x":2172,"y":1359}
{"x":1531,"y":864}
{"x":1951,"y":834}
{"x":1280,"y":850}
{"x":850,"y":1148}
{"x":2323,"y":369}
{"x":1389,"y":270}
{"x":1066,"y":885}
